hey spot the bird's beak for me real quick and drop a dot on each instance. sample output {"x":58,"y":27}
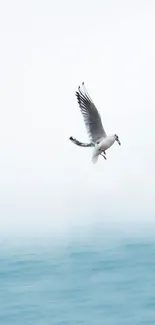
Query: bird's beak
{"x":118,"y":142}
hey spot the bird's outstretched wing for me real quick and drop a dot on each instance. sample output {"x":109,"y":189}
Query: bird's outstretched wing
{"x":81,"y":144}
{"x":90,"y":114}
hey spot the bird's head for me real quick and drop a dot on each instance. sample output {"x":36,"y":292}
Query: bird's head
{"x":117,"y":139}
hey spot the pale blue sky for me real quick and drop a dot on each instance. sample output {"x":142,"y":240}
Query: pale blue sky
{"x":47,"y":49}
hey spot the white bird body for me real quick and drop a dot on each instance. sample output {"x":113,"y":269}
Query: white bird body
{"x":106,"y":143}
{"x":99,"y":139}
{"x":102,"y":146}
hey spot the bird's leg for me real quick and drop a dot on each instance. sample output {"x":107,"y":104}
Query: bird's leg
{"x":103,"y":156}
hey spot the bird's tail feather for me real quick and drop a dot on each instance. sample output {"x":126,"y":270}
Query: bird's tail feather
{"x":95,"y":156}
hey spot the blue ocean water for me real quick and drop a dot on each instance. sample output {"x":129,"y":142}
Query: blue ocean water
{"x":92,"y":283}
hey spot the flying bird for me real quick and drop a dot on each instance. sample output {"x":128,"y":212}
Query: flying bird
{"x":99,"y":140}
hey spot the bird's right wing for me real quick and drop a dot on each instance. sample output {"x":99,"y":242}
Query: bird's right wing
{"x":81,"y":144}
{"x":90,"y":114}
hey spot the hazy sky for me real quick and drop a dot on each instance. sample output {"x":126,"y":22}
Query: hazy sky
{"x":47,"y":49}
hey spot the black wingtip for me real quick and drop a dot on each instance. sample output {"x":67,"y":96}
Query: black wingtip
{"x":70,"y":138}
{"x":77,"y":94}
{"x":78,"y":97}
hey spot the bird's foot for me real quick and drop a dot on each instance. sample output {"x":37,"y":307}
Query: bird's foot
{"x":103,"y":156}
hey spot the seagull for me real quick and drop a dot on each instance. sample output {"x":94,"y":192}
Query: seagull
{"x":99,"y":140}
